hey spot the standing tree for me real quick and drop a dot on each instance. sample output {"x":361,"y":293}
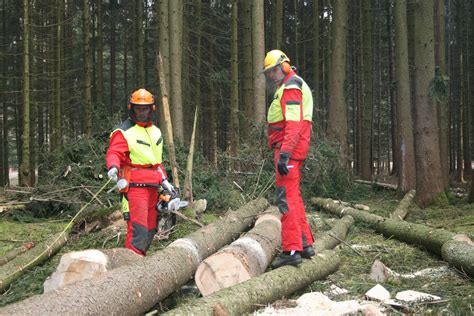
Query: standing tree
{"x":406,"y":158}
{"x":337,"y":121}
{"x":258,"y":40}
{"x":234,"y":111}
{"x":247,"y":73}
{"x":24,"y":172}
{"x":277,"y":25}
{"x":175,"y":19}
{"x":441,"y":107}
{"x":100,"y":57}
{"x":367,"y":105}
{"x":140,"y":55}
{"x":87,"y":99}
{"x":429,"y":184}
{"x":316,"y":71}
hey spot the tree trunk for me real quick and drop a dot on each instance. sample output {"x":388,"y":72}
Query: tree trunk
{"x":56,"y":137}
{"x":430,"y":238}
{"x":246,"y":70}
{"x":367,"y":105}
{"x":87,"y":100}
{"x":245,"y":258}
{"x":442,"y":107}
{"x":402,"y":209}
{"x":392,"y":91}
{"x":277,"y":34}
{"x":24,"y":156}
{"x":317,"y":112}
{"x":258,"y":44}
{"x":471,"y":195}
{"x":100,"y":57}
{"x":407,"y":173}
{"x":337,"y":121}
{"x":459,"y":254}
{"x":234,"y":111}
{"x":113,"y":77}
{"x":332,"y":238}
{"x":175,"y":16}
{"x":17,"y":267}
{"x":429,"y":184}
{"x":167,"y":117}
{"x":137,"y":287}
{"x":140,"y":37}
{"x":188,"y":179}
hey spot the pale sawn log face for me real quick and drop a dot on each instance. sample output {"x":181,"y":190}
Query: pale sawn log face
{"x":245,"y":258}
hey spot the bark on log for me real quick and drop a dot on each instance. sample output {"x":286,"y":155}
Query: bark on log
{"x":403,"y":207}
{"x":266,"y":288}
{"x":332,"y":238}
{"x":12,"y":254}
{"x":12,"y":270}
{"x":245,"y":258}
{"x":378,"y":184}
{"x":135,"y":288}
{"x":430,"y":238}
{"x":460,"y":254}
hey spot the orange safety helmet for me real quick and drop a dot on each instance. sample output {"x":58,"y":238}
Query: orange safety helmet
{"x":274,"y":58}
{"x":142,"y":97}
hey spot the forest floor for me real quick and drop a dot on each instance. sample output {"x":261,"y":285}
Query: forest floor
{"x":358,"y":253}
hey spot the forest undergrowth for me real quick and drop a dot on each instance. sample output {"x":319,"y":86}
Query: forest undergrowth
{"x":67,"y":180}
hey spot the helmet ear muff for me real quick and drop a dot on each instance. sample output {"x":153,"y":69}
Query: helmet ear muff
{"x":153,"y":107}
{"x":286,"y":67}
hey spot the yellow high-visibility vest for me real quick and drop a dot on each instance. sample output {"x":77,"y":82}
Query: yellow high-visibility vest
{"x":144,"y":143}
{"x":275,"y":113}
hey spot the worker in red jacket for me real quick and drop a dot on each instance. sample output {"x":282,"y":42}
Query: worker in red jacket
{"x":135,"y":154}
{"x":289,"y":131}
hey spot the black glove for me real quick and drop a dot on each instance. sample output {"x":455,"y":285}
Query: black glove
{"x":282,"y":164}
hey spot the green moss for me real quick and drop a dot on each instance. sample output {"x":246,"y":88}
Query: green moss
{"x":440,"y":200}
{"x":13,"y":234}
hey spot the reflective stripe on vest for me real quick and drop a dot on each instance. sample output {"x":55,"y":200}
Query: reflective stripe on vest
{"x":275,"y":113}
{"x":144,"y":143}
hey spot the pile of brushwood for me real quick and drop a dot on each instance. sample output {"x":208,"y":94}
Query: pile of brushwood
{"x":69,"y":178}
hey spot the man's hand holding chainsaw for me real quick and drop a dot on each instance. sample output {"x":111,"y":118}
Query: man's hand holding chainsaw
{"x":113,"y":174}
{"x":170,"y":188}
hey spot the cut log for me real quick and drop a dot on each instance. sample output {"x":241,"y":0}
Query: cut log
{"x":268,"y":287}
{"x":12,"y":254}
{"x":430,"y":238}
{"x":460,"y":254}
{"x":245,"y":258}
{"x":15,"y":268}
{"x":403,"y":207}
{"x":136,"y":288}
{"x":263,"y":289}
{"x":378,"y":184}
{"x":332,"y":238}
{"x":81,"y":265}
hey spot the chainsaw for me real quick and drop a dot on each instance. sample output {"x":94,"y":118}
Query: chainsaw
{"x":169,"y":203}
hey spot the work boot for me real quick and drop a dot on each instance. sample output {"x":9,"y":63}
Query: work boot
{"x":307,"y":252}
{"x":286,"y":258}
